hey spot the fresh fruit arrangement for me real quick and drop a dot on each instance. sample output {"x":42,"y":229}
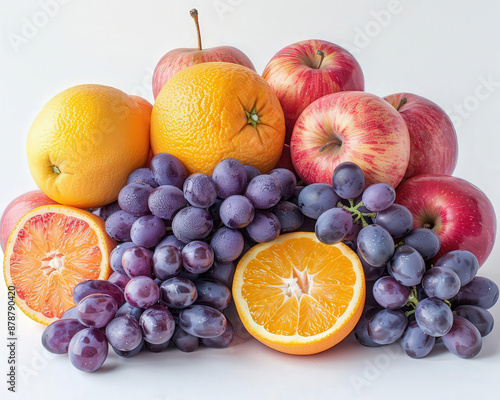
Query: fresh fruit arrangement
{"x":311,"y":203}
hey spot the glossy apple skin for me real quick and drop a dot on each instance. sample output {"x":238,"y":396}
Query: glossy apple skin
{"x":17,"y":208}
{"x":434,"y":147}
{"x":178,"y":59}
{"x":372,"y":135}
{"x":294,"y":76}
{"x":459,"y":212}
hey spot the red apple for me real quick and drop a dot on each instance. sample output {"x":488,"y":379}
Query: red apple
{"x":455,"y":209}
{"x":434,"y":147}
{"x":17,"y":208}
{"x":178,"y":59}
{"x":350,"y":126}
{"x":307,"y":70}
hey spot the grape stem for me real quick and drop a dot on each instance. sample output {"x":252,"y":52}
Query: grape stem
{"x":412,"y":301}
{"x":357,"y":216}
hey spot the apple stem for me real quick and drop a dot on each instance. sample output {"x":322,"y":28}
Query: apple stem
{"x":322,"y":55}
{"x":403,"y":101}
{"x":336,"y":142}
{"x":194,"y":14}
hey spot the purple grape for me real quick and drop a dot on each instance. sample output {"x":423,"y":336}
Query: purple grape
{"x":192,"y":223}
{"x":131,"y":353}
{"x":230,"y":177}
{"x":157,"y":324}
{"x":136,"y":261}
{"x":463,"y":339}
{"x":212,"y":293}
{"x":352,"y":235}
{"x":96,"y":310}
{"x":56,"y":336}
{"x":143,"y":175}
{"x":197,"y":257}
{"x":124,"y":333}
{"x":227,"y":244}
{"x":165,"y":201}
{"x":214,"y":211}
{"x":371,"y":272}
{"x":252,"y":172}
{"x":441,"y":282}
{"x":156,"y":348}
{"x":378,"y":197}
{"x":434,"y":316}
{"x":222,"y":341}
{"x":184,"y":341}
{"x":119,"y":224}
{"x":361,"y":328}
{"x":222,"y":272}
{"x":287,"y":180}
{"x":265,"y":227}
{"x":178,"y":292}
{"x":147,"y":231}
{"x":187,"y":275}
{"x":171,"y":240}
{"x":106,"y":211}
{"x":462,"y":262}
{"x":133,"y":198}
{"x":294,"y":198}
{"x":167,"y":262}
{"x":396,"y":219}
{"x":425,"y":241}
{"x":130,"y":310}
{"x":348,"y":180}
{"x":264,"y":191}
{"x":200,"y":190}
{"x":237,"y":212}
{"x":480,"y":291}
{"x":142,"y":292}
{"x":480,"y":318}
{"x":390,"y":294}
{"x":333,"y":225}
{"x":119,"y":279}
{"x":407,"y":266}
{"x":415,"y":342}
{"x":315,"y":199}
{"x":202,"y":321}
{"x":168,"y":170}
{"x":289,"y":215}
{"x":94,"y":286}
{"x":70,"y":313}
{"x":387,"y":326}
{"x":375,"y":245}
{"x":88,"y":349}
{"x":115,"y":258}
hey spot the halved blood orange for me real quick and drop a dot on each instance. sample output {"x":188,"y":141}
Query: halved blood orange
{"x":298,"y":295}
{"x":50,"y":250}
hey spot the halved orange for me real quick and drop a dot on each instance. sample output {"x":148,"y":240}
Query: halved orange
{"x":298,"y":295}
{"x":50,"y":250}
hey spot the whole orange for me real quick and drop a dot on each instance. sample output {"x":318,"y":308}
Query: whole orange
{"x":85,"y":142}
{"x":212,"y":111}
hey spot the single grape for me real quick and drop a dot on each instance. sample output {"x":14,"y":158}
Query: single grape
{"x":124,"y":333}
{"x":70,"y":313}
{"x":315,"y":199}
{"x":375,"y":245}
{"x":425,"y":241}
{"x":133,"y":198}
{"x":119,"y":279}
{"x":184,"y":341}
{"x":264,"y":227}
{"x":192,"y":223}
{"x":147,"y":231}
{"x":463,"y":339}
{"x":96,"y":310}
{"x":221,"y":341}
{"x":128,"y":309}
{"x":157,"y":324}
{"x":387,"y":326}
{"x":480,"y":291}
{"x":167,"y":262}
{"x":143,"y":175}
{"x":415,"y":342}
{"x":142,"y":292}
{"x":136,"y":261}
{"x":441,"y":282}
{"x":289,"y":215}
{"x":165,"y":201}
{"x":88,"y":349}
{"x":333,"y":225}
{"x":252,"y":172}
{"x":222,"y":272}
{"x":93,"y":286}
{"x":115,"y":258}
{"x":434,"y":316}
{"x":200,"y":190}
{"x":390,"y":294}
{"x":202,"y":321}
{"x":287,"y":180}
{"x":131,"y":353}
{"x":227,"y":244}
{"x":348,"y":180}
{"x":264,"y":191}
{"x":407,"y":266}
{"x":371,"y":272}
{"x":480,"y":318}
{"x":106,"y":211}
{"x":378,"y":197}
{"x":178,"y":292}
{"x":212,"y":293}
{"x":119,"y":224}
{"x":56,"y":336}
{"x":230,"y":177}
{"x":463,"y":262}
{"x":171,"y":240}
{"x":168,"y":170}
{"x":361,"y":328}
{"x":156,"y":348}
{"x":237,"y":212}
{"x":197,"y":257}
{"x":396,"y":219}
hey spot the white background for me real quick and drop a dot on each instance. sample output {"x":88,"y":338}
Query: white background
{"x":441,"y":50}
